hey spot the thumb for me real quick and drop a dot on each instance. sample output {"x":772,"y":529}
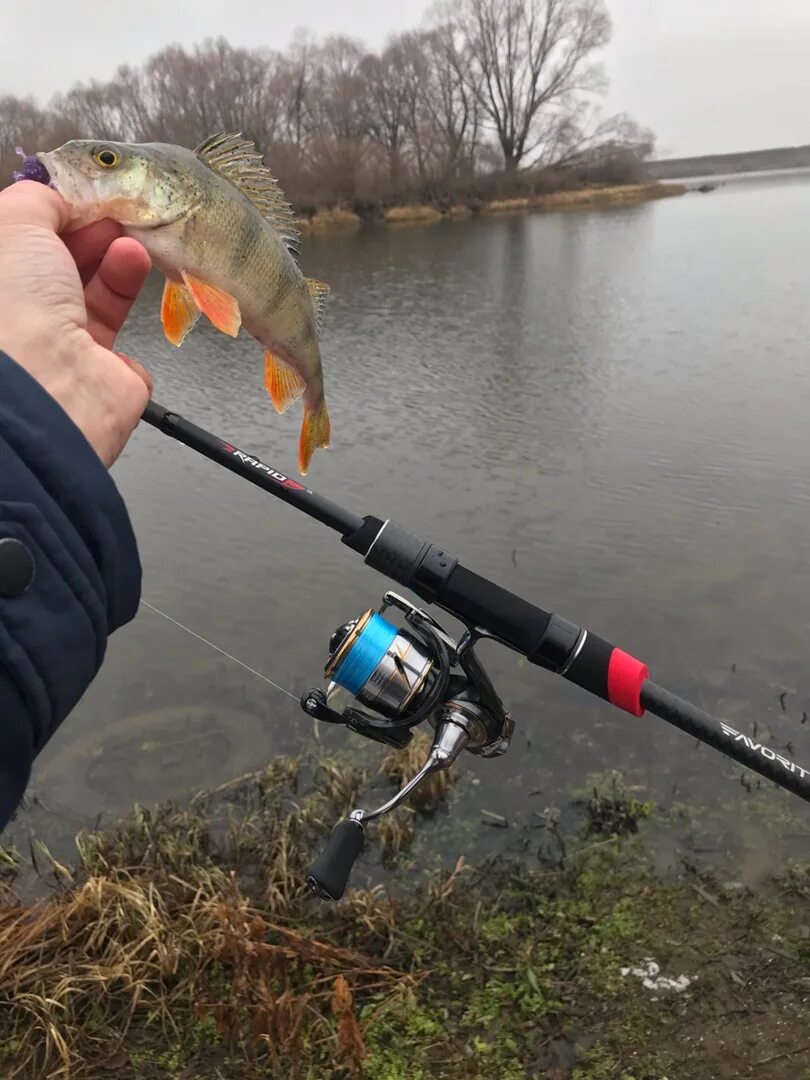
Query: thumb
{"x":31,"y":203}
{"x":139,"y":370}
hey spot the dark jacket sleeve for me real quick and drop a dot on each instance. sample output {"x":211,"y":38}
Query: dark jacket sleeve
{"x":69,"y":572}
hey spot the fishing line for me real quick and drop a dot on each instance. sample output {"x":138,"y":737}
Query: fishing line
{"x":205,"y":641}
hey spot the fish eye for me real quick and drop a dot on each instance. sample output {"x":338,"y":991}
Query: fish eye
{"x":107,"y":158}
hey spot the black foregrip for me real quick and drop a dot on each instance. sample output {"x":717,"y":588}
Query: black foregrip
{"x":486,"y":605}
{"x":590,"y":667}
{"x":329,"y":874}
{"x":546,"y":639}
{"x":396,"y":553}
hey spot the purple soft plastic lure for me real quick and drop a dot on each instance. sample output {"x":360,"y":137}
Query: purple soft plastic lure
{"x":32,"y":169}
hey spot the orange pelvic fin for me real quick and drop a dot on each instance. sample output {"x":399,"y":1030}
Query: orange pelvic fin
{"x":217,"y":305}
{"x":284,"y":384}
{"x":178,"y":312}
{"x":316,"y":432}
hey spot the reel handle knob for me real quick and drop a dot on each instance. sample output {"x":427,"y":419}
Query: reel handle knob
{"x":329,"y":874}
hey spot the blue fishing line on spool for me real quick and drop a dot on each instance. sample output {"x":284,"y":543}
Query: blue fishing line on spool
{"x":366,"y":653}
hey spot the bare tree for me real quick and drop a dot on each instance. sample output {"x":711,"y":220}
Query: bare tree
{"x":534,"y":60}
{"x":335,"y":89}
{"x":489,"y":84}
{"x":19,"y":119}
{"x":293,"y":78}
{"x":450,"y":100}
{"x":137,"y":104}
{"x":23,"y":123}
{"x":336,"y":113}
{"x":386,"y":81}
{"x":92,"y":109}
{"x":416,"y":78}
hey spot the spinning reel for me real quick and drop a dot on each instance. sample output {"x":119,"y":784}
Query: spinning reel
{"x":403,"y":677}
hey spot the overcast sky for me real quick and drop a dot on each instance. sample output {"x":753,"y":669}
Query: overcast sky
{"x":706,"y":75}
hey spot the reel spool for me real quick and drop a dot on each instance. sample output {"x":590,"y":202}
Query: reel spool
{"x":402,"y":676}
{"x":384,"y":668}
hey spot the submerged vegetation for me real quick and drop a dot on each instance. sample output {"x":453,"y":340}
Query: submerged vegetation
{"x":183,"y":944}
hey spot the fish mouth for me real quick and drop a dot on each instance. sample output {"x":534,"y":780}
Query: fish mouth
{"x":74,"y":185}
{"x":45,"y":160}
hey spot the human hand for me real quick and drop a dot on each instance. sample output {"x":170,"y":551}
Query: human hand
{"x":62,"y":303}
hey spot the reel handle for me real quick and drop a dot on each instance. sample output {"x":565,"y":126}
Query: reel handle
{"x":329,"y":874}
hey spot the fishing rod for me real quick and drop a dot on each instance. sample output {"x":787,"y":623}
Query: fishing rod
{"x":405,"y":675}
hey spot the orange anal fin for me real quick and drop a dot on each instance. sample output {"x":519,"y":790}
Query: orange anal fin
{"x":178,"y":312}
{"x":284,"y":384}
{"x":217,"y":305}
{"x":316,"y":432}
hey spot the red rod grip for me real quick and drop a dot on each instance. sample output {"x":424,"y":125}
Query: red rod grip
{"x":626,"y":676}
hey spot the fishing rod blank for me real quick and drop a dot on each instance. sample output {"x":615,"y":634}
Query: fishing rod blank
{"x":754,"y":755}
{"x":277,"y":483}
{"x":544,"y":638}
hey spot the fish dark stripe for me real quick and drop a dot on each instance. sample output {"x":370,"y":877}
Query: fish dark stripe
{"x":246,"y":244}
{"x":275,"y":295}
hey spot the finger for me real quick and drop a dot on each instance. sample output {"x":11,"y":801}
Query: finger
{"x":31,"y":203}
{"x":88,"y":246}
{"x":139,"y":370}
{"x":113,"y":412}
{"x":111,"y":291}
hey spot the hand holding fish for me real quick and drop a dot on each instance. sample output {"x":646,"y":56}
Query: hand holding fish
{"x":62,"y":303}
{"x":216,"y":223}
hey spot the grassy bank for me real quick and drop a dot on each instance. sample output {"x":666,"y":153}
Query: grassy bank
{"x":429,"y":214}
{"x":622,"y":194}
{"x":183,"y":945}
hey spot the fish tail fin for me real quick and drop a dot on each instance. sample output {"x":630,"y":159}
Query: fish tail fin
{"x":316,"y":431}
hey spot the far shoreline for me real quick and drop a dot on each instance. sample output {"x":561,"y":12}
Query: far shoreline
{"x":328,"y":220}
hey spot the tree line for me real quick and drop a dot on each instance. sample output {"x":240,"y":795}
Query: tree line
{"x":489,"y":96}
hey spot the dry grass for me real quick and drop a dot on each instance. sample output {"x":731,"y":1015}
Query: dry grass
{"x":590,"y":196}
{"x":459,"y":210}
{"x":394,"y":833}
{"x":185,"y":913}
{"x":597,"y":196}
{"x":506,"y":206}
{"x":412,"y":215}
{"x":79,"y":970}
{"x":398,"y":766}
{"x":337,"y":218}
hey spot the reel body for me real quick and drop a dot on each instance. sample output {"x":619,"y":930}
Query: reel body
{"x":402,"y":677}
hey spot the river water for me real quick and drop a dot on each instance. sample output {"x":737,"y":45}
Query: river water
{"x":603,"y":410}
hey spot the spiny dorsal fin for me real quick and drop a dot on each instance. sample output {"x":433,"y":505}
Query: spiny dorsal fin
{"x":236,"y":159}
{"x":319,"y":291}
